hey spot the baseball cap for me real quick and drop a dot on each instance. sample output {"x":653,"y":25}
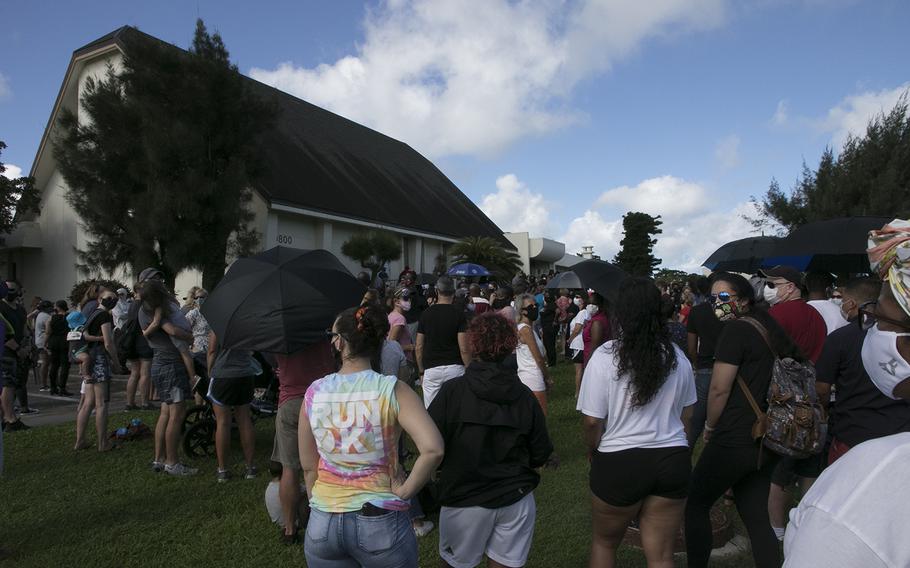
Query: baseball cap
{"x":788,"y":273}
{"x":122,"y":291}
{"x":150,"y":273}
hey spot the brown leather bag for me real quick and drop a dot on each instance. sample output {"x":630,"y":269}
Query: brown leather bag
{"x":760,"y":427}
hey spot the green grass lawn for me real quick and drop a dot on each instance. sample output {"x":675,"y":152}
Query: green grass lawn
{"x":59,"y":507}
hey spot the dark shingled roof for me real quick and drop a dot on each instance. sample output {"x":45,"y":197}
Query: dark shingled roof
{"x":315,"y":159}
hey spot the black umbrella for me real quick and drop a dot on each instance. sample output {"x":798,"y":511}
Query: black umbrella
{"x":602,"y":277}
{"x":833,"y":245}
{"x":745,"y":255}
{"x":280,"y":300}
{"x":565,"y":280}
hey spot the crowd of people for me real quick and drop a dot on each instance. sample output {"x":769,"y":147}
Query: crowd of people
{"x":463,"y":371}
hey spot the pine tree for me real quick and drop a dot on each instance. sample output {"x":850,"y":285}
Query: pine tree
{"x":636,"y":256}
{"x":161,"y":172}
{"x":871,"y":176}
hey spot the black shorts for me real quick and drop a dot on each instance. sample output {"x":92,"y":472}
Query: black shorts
{"x":788,"y":469}
{"x":9,"y":372}
{"x":232,"y":391}
{"x":579,"y":357}
{"x":140,"y":350}
{"x":626,"y":477}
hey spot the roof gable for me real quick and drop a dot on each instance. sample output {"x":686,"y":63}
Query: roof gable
{"x":315,"y":159}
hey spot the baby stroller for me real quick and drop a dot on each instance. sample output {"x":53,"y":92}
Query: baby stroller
{"x":199,"y":423}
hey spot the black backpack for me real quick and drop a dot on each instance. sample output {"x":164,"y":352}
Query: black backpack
{"x":126,"y":339}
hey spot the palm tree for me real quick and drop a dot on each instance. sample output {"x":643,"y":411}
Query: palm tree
{"x":488,"y":252}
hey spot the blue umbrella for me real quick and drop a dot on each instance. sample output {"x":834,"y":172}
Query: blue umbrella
{"x":468,"y":269}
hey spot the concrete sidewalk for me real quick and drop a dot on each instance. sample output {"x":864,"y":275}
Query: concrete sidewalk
{"x":60,"y":409}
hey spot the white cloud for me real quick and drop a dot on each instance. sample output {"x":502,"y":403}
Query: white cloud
{"x":852,"y":114}
{"x":690,"y":233}
{"x":592,"y":229}
{"x":515,"y":208}
{"x":686,"y":243}
{"x":12,"y":171}
{"x":666,"y":195}
{"x":471,"y":77}
{"x":727,"y":152}
{"x":781,"y":113}
{"x":5,"y":90}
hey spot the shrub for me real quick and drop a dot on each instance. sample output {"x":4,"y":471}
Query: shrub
{"x":80,"y":287}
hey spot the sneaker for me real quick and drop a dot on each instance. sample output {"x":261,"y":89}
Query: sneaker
{"x":222,"y":476}
{"x":65,"y":393}
{"x":17,"y":425}
{"x":44,"y":389}
{"x":251,"y":472}
{"x":29,"y":411}
{"x":157,"y":466}
{"x":423,"y":528}
{"x":180,"y":470}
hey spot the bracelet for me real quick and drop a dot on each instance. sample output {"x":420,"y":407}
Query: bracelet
{"x":708,"y":428}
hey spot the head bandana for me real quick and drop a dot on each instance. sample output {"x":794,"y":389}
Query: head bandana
{"x":889,"y":255}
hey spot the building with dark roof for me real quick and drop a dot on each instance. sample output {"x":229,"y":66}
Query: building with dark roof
{"x":326,"y":178}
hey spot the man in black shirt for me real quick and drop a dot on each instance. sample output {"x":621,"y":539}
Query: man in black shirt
{"x":860,"y":411}
{"x":703,"y":330}
{"x":12,"y":373}
{"x":442,"y":345}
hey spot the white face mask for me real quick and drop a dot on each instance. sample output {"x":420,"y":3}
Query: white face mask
{"x":770,"y":295}
{"x":578,"y":302}
{"x":882,"y":360}
{"x":592,"y":309}
{"x":405,"y":305}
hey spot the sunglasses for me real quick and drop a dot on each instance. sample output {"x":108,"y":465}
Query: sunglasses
{"x":723,"y":297}
{"x":868,"y":317}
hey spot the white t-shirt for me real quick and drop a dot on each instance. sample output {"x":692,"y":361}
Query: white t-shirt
{"x":528,"y":371}
{"x":831,"y":313}
{"x":657,"y":424}
{"x":273,"y":503}
{"x":578,"y":343}
{"x":856,"y":513}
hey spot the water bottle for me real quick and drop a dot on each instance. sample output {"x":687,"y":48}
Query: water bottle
{"x":121,"y":432}
{"x":135,"y":422}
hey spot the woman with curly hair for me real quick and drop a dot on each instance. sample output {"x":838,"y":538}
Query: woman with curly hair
{"x":637,"y":396}
{"x":350,"y":423}
{"x":495,"y":437}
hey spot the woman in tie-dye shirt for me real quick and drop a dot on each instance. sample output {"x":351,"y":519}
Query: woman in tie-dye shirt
{"x":349,"y":428}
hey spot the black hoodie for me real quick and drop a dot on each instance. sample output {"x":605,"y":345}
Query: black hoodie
{"x":495,"y":436}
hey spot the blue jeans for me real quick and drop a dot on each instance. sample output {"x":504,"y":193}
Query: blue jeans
{"x":700,"y":413}
{"x":342,"y":540}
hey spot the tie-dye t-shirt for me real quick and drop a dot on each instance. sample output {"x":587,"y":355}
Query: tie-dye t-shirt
{"x":354,"y":419}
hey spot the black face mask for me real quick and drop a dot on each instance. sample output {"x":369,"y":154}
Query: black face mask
{"x":12,"y":295}
{"x":109,"y":303}
{"x":531,"y":312}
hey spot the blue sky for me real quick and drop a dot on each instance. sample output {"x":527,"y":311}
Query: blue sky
{"x":554,"y":117}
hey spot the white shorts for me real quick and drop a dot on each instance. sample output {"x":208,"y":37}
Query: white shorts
{"x":532,"y":379}
{"x":504,"y":535}
{"x":434,"y":377}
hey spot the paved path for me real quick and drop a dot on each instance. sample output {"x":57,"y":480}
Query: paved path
{"x":61,"y":409}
